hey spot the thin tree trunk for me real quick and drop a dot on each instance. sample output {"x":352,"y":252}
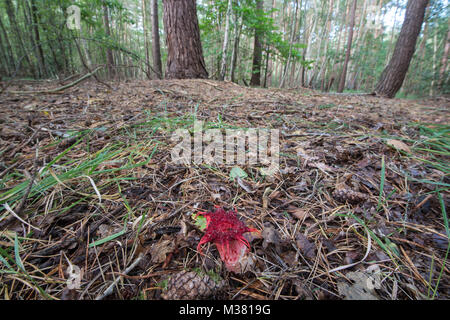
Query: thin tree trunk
{"x":235,"y":52}
{"x":293,"y":77}
{"x":257,"y":49}
{"x":391,"y":43}
{"x":291,"y":43}
{"x":157,"y":64}
{"x":361,"y":44}
{"x":84,"y":46}
{"x":444,"y":61}
{"x":433,"y":80}
{"x":269,"y":62}
{"x":417,"y":66}
{"x":326,"y":36}
{"x":319,"y":47}
{"x":15,"y":27}
{"x":9,"y":52}
{"x":146,"y":42}
{"x":5,"y":63}
{"x":336,"y":55}
{"x":349,"y":48}
{"x":307,"y":49}
{"x":39,"y":51}
{"x":109,"y":54}
{"x":394,"y":74}
{"x":223,"y":67}
{"x":65,"y":57}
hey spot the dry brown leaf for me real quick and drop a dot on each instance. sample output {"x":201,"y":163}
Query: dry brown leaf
{"x":270,"y":235}
{"x":299,"y":213}
{"x":305,"y":246}
{"x":399,"y":145}
{"x":359,"y":290}
{"x":161,"y":249}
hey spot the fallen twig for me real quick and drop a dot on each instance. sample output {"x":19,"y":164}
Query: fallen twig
{"x":57,"y":90}
{"x":110,"y":289}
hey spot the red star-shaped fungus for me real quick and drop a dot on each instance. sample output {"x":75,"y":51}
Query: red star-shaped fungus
{"x":226,"y":231}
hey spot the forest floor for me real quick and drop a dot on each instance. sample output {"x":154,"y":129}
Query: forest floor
{"x":356,"y":211}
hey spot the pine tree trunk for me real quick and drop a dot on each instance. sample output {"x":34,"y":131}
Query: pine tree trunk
{"x":291,"y":43}
{"x":269,"y":62}
{"x":64,"y":66}
{"x":336,"y":55}
{"x":444,"y":61}
{"x":146,"y":42}
{"x":157,"y":64}
{"x":15,"y":27}
{"x":393,"y":75}
{"x":412,"y":77}
{"x":325,"y":51}
{"x":235,"y":52}
{"x":185,"y":56}
{"x":316,"y":60}
{"x":39,"y":51}
{"x":433,"y":80}
{"x":349,"y":48}
{"x":9,"y":51}
{"x":109,"y":54}
{"x":223,"y":67}
{"x":5,"y":70}
{"x":308,"y":44}
{"x":257,"y":50}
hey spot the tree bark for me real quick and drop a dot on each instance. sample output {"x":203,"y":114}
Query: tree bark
{"x":109,"y":54}
{"x":223,"y":67}
{"x":185,"y":57}
{"x":237,"y":36}
{"x":433,"y":80}
{"x":319,"y":46}
{"x":349,"y":48}
{"x":39,"y":51}
{"x":9,"y":51}
{"x":5,"y":63}
{"x":257,"y":50}
{"x":15,"y":27}
{"x":157,"y":64}
{"x":337,"y":52}
{"x":307,"y":49}
{"x":146,"y":42}
{"x":291,"y":43}
{"x":413,"y":77}
{"x":392,"y":78}
{"x":325,"y":51}
{"x":269,"y":62}
{"x":444,"y":61}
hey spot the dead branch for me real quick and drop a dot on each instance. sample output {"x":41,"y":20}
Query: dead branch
{"x":57,"y":90}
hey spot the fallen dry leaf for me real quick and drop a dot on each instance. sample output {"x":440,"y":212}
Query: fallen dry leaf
{"x":397,"y":144}
{"x":359,"y":290}
{"x":270,"y":236}
{"x":161,"y":249}
{"x":299,"y":213}
{"x":305,"y":246}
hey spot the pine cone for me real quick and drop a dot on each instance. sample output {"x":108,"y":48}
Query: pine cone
{"x":189,"y":285}
{"x":348,"y":195}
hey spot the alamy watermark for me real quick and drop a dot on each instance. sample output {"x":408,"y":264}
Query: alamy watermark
{"x":237,"y":146}
{"x":73,"y":17}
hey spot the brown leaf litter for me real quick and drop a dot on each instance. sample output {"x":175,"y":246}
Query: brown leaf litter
{"x":321,"y":212}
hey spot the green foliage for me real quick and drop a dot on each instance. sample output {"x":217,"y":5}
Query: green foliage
{"x":64,"y":50}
